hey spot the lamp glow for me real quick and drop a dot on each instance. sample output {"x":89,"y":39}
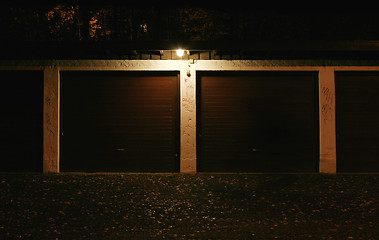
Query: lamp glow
{"x":180,"y":52}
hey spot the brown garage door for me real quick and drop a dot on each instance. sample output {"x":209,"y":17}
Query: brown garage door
{"x":119,"y":121}
{"x":258,"y":122}
{"x":357,"y":121}
{"x":21,"y":104}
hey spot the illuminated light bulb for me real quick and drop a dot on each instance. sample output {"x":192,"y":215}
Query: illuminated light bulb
{"x":180,"y":52}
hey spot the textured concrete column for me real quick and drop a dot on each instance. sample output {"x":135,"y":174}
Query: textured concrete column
{"x":188,"y":117}
{"x":327,"y":121}
{"x":51,"y":120}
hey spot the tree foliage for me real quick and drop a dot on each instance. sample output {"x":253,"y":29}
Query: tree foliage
{"x":76,"y":22}
{"x":62,"y":22}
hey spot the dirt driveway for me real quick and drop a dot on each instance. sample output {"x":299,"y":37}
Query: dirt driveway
{"x":176,"y":206}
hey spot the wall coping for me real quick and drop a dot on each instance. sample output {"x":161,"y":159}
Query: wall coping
{"x":175,"y":64}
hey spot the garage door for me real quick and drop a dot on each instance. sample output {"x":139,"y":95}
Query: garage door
{"x":357,"y":121}
{"x":21,"y":104}
{"x":258,"y":122}
{"x":119,"y":121}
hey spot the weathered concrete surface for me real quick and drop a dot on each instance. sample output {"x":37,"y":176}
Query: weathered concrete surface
{"x":51,"y":120}
{"x":188,"y":118}
{"x":327,"y":121}
{"x":170,"y":64}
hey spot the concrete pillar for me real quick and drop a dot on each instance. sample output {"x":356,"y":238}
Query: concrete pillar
{"x":51,"y":120}
{"x":188,"y":117}
{"x":327,"y":121}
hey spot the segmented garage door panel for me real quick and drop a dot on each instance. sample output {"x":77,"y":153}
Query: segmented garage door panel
{"x":257,"y":122}
{"x":127,"y":121}
{"x":357,"y":121}
{"x":21,"y":103}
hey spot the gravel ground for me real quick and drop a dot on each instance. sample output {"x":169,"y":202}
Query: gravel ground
{"x":179,"y":206}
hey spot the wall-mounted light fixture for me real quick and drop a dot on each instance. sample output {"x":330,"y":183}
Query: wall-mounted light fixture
{"x":180,"y":52}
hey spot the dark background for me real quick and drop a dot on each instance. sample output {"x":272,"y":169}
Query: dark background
{"x":110,"y":30}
